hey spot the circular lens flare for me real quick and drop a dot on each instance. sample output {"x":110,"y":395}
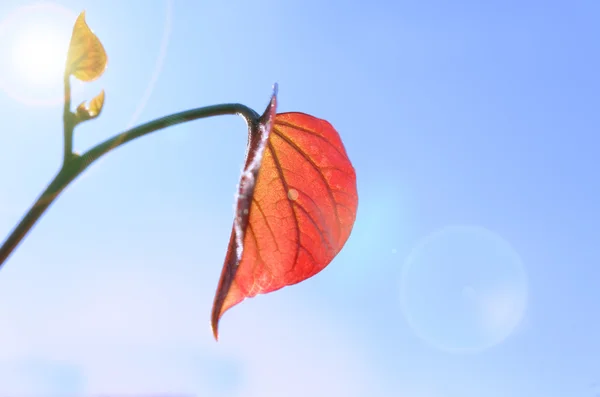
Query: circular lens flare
{"x":464,"y":289}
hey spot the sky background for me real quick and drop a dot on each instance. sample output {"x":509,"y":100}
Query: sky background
{"x":472,"y":269}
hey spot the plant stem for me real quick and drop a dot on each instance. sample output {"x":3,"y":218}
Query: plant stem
{"x":68,"y":121}
{"x":73,"y":166}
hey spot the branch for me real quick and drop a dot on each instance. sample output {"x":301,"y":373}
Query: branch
{"x":75,"y":165}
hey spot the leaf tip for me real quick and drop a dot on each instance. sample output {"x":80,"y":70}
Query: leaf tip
{"x":215,"y":316}
{"x":268,"y":116}
{"x":215,"y":329}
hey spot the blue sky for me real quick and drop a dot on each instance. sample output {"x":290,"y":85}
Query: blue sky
{"x":472,"y":268}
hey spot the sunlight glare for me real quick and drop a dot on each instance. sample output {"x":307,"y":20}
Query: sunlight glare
{"x":39,"y":56}
{"x":34,"y":41}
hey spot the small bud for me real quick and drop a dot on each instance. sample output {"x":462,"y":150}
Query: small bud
{"x":92,"y":110}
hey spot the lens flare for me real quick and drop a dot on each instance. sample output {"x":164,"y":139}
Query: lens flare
{"x":160,"y":60}
{"x":464,"y":289}
{"x":378,"y":234}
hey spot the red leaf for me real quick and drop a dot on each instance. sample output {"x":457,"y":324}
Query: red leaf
{"x":300,"y":211}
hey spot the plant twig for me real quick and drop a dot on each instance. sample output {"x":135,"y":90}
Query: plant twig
{"x":68,"y":121}
{"x":73,"y":166}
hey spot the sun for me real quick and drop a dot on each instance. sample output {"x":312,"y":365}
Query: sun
{"x":34,"y":40}
{"x":39,"y":55}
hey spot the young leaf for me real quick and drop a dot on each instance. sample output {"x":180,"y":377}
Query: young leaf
{"x":86,"y":58}
{"x":91,"y":111}
{"x":299,"y":213}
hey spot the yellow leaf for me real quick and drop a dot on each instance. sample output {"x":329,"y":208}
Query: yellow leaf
{"x":91,"y":111}
{"x":86,"y":59}
{"x":96,"y":104}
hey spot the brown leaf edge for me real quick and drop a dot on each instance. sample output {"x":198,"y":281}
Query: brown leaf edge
{"x":258,"y":139}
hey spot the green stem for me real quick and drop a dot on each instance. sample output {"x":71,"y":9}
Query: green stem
{"x":68,"y":122}
{"x":73,"y":166}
